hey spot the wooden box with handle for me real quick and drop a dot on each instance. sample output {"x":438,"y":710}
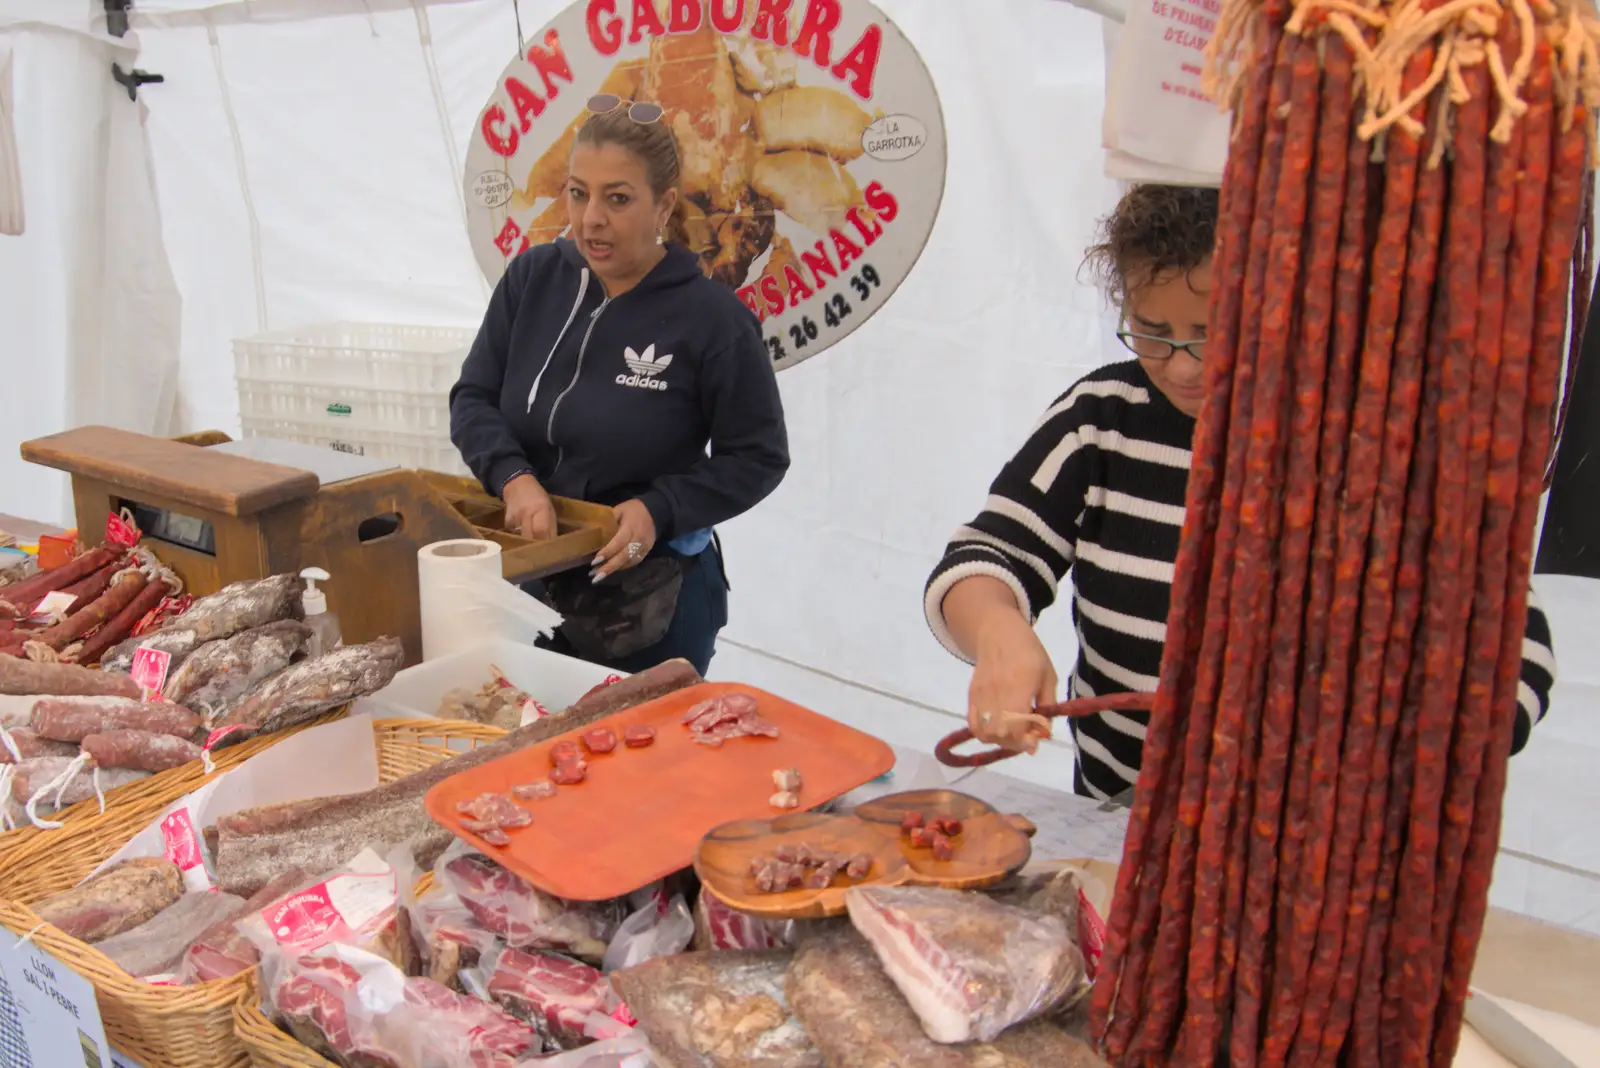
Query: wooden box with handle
{"x":217,"y":512}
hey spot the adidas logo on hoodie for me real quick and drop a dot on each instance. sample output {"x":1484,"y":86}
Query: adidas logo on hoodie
{"x":646,"y":366}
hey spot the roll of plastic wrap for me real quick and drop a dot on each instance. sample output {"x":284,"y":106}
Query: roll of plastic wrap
{"x":465,"y":601}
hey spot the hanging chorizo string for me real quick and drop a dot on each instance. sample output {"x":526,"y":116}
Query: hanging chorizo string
{"x":1405,"y":219}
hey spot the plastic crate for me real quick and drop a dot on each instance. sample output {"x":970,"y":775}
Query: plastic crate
{"x":428,"y":452}
{"x":340,"y":407}
{"x":379,"y":356}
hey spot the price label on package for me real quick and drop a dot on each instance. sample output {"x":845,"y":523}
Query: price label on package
{"x":150,"y":671}
{"x":48,"y":1013}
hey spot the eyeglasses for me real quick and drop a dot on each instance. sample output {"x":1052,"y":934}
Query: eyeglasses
{"x":641,"y":112}
{"x":1149,"y":347}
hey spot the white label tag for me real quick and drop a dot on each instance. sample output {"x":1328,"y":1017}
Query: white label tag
{"x":54,"y":604}
{"x":48,"y":1013}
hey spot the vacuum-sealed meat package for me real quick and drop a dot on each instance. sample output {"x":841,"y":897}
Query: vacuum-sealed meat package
{"x":358,"y":906}
{"x":155,"y":947}
{"x":718,"y":1010}
{"x":718,"y":926}
{"x":860,"y":1020}
{"x":221,"y":951}
{"x":513,"y":909}
{"x":449,"y":937}
{"x":566,"y":1001}
{"x":969,"y":966}
{"x":360,"y":1010}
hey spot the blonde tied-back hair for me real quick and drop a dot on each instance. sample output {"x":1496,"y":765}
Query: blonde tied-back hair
{"x":654,"y":145}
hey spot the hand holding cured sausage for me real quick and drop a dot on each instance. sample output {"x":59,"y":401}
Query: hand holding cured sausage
{"x":528,"y":509}
{"x":635,"y":537}
{"x":1012,"y":676}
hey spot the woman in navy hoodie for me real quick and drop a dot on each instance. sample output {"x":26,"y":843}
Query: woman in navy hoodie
{"x":605,"y":366}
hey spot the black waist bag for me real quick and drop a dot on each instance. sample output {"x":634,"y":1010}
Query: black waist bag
{"x":629,"y":611}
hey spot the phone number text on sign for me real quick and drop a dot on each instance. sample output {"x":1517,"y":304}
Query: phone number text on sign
{"x":810,"y":133}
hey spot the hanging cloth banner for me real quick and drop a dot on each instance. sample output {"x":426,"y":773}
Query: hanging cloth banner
{"x":1158,"y":125}
{"x":811,"y":138}
{"x":12,"y":219}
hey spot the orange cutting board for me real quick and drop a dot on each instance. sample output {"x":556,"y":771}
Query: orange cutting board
{"x":640,"y":814}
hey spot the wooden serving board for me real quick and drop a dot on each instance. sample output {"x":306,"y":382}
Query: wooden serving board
{"x":723,"y":862}
{"x":641,"y":813}
{"x":990,"y":849}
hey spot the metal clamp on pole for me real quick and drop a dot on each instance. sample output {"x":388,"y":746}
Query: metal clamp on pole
{"x":117,"y":26}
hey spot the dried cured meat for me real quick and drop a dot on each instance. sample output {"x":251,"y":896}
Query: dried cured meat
{"x":570,"y":773}
{"x":139,"y":750}
{"x":554,"y":994}
{"x":510,"y":907}
{"x":534,"y":791}
{"x":116,"y":900}
{"x":221,"y":951}
{"x":786,"y":780}
{"x":219,"y":673}
{"x":599,"y":740}
{"x":318,"y":685}
{"x":72,"y":719}
{"x":496,"y":810}
{"x":157,"y":946}
{"x":564,"y":753}
{"x":639,"y":736}
{"x":234,"y":608}
{"x":24,"y":744}
{"x":718,"y":1010}
{"x":28,"y":677}
{"x":784,"y":799}
{"x":732,"y":715}
{"x":793,"y":865}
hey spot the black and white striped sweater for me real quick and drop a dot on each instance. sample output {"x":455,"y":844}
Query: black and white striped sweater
{"x":1099,"y":489}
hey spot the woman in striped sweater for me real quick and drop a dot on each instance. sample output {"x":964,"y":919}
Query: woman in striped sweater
{"x":1098,"y":489}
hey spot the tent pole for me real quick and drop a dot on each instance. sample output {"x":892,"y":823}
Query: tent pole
{"x":117,"y":26}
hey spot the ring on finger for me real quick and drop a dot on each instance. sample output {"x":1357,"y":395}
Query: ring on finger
{"x":635,"y":550}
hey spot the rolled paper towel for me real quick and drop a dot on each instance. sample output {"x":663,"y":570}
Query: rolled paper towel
{"x":465,"y":600}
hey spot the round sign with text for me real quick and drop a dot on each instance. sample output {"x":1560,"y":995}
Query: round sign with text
{"x":810,"y":135}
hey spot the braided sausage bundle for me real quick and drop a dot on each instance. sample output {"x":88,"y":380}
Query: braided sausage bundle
{"x":1314,"y":828}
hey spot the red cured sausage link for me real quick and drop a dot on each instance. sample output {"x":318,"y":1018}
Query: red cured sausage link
{"x":122,"y":593}
{"x":1336,"y":588}
{"x":1177,"y":830}
{"x":27,"y":593}
{"x":1388,"y":541}
{"x":1144,"y":853}
{"x":1478,"y":639}
{"x":121,"y":625}
{"x":1568,"y":175}
{"x":1388,"y":792}
{"x":1412,"y":972}
{"x":1232,"y":759}
{"x":1329,"y":332}
{"x":88,"y":589}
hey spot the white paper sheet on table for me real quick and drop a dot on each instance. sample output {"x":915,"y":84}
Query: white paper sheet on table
{"x":324,"y":761}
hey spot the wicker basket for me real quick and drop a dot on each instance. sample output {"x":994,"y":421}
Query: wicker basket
{"x":144,"y":798}
{"x":179,"y":1027}
{"x":267,"y":1046}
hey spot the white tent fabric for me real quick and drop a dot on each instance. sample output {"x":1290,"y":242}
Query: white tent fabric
{"x":302,"y":164}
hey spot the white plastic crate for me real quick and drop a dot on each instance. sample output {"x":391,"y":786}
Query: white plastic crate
{"x":337,"y":408}
{"x":379,"y":356}
{"x":429,"y":452}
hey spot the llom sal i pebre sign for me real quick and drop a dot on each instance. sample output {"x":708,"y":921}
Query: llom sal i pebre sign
{"x":812,"y":147}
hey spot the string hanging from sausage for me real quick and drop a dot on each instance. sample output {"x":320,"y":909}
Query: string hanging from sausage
{"x":1406,"y":221}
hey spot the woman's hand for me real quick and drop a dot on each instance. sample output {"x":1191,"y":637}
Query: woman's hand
{"x":1013,"y":675}
{"x":528,"y":509}
{"x":635,"y":537}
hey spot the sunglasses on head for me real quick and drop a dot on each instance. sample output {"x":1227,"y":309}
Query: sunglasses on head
{"x":640,"y":112}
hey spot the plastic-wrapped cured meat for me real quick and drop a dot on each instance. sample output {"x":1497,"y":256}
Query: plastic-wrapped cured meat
{"x":357,"y":905}
{"x":24,"y":744}
{"x":116,"y":900}
{"x":72,"y":719}
{"x":449,"y":938}
{"x":139,"y":750}
{"x":218,"y":674}
{"x":513,"y":909}
{"x":969,"y":966}
{"x":718,"y":1010}
{"x":716,"y":926}
{"x":156,"y":946}
{"x":555,"y":995}
{"x":220,"y":950}
{"x":859,"y":1020}
{"x":238,"y":607}
{"x":318,"y":685}
{"x":255,"y":844}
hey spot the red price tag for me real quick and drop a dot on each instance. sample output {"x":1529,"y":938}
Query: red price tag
{"x":121,"y":532}
{"x":217,"y":735}
{"x":150,"y":671}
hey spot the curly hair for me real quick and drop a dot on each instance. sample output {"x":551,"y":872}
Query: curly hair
{"x":1154,"y":231}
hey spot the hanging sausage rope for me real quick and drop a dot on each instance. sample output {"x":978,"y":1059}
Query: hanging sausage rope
{"x":1315,"y":825}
